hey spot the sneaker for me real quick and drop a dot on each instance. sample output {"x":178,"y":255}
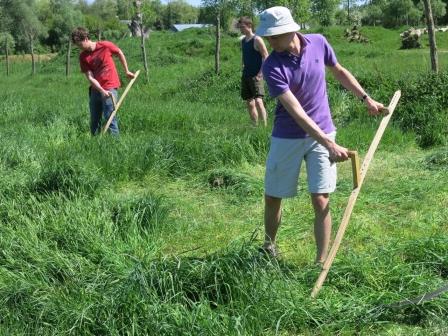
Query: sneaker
{"x":319,"y":265}
{"x":270,"y":251}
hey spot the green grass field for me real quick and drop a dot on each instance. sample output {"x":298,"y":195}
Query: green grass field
{"x":100,"y":236}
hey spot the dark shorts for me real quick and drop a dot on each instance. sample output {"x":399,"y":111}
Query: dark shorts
{"x":251,"y":88}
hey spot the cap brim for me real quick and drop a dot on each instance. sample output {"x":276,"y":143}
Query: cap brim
{"x":270,"y":31}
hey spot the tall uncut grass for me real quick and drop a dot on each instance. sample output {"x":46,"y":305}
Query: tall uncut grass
{"x":156,"y":233}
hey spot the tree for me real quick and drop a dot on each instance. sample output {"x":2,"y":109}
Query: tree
{"x":349,"y":4}
{"x":6,"y":43}
{"x":5,"y":19}
{"x":218,"y":7}
{"x":374,"y":14}
{"x":6,"y":39}
{"x":444,"y":20}
{"x":83,"y":6}
{"x":153,"y":12}
{"x":324,"y":11}
{"x":227,"y":9}
{"x":105,"y":9}
{"x":432,"y":36}
{"x":301,"y":11}
{"x":438,"y":9}
{"x":32,"y":28}
{"x":27,"y":27}
{"x":139,"y":15}
{"x":125,"y":9}
{"x":264,"y":4}
{"x":397,"y":12}
{"x":94,"y":24}
{"x":60,"y":17}
{"x":104,"y":15}
{"x":179,"y":11}
{"x":414,"y":17}
{"x":246,"y":8}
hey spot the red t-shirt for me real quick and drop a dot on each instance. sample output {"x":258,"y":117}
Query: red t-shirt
{"x":101,"y":64}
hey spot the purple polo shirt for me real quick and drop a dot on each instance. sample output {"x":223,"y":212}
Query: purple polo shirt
{"x":304,"y":75}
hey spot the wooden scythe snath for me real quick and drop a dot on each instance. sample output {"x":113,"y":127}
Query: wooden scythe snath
{"x":354,"y":195}
{"x":120,"y":101}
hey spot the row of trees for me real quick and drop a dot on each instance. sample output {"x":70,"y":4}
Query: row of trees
{"x":388,"y":13}
{"x":45,"y":24}
{"x":402,"y":12}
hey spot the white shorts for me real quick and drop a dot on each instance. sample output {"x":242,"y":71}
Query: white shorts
{"x":283,"y":167}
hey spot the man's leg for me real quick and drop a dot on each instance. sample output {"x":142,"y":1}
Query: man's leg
{"x":281,"y":179}
{"x":252,"y":109}
{"x":96,"y":107}
{"x":272,"y":218}
{"x":108,"y":108}
{"x":322,"y":224}
{"x":261,"y":110}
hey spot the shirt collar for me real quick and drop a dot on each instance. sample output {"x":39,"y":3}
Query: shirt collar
{"x":304,"y":42}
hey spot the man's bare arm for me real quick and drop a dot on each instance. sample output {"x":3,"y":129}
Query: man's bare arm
{"x":96,"y":85}
{"x":350,"y":83}
{"x":123,"y":62}
{"x":261,"y":48}
{"x":292,"y":105}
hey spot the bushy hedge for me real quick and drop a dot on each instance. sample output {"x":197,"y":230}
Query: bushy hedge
{"x":422,"y":109}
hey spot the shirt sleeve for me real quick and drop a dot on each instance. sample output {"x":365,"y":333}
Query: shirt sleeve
{"x":112,"y":47}
{"x":275,"y":79}
{"x":329,"y":54}
{"x":83,"y":64}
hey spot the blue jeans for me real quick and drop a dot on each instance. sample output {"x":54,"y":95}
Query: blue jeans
{"x":100,"y":106}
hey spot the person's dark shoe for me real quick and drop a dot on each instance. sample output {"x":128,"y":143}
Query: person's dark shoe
{"x":319,"y":265}
{"x":270,"y":251}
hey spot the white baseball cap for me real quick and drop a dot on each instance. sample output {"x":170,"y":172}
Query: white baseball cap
{"x":275,"y":21}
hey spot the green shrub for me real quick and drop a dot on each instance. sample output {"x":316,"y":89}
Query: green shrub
{"x":424,"y":108}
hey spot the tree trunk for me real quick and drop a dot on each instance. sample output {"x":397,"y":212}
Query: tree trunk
{"x":139,"y":16}
{"x":145,"y":62}
{"x":218,"y":42}
{"x":33,"y":60}
{"x":7,"y":56}
{"x":431,"y":35}
{"x":69,"y":52}
{"x":251,"y":8}
{"x":348,"y":12}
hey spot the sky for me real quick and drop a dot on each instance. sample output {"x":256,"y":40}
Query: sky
{"x":191,"y":2}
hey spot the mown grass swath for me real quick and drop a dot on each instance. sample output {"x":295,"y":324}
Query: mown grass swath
{"x":157,"y":232}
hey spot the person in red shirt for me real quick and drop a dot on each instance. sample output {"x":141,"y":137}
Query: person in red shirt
{"x":98,"y":65}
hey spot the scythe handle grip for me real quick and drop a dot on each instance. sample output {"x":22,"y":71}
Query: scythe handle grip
{"x":114,"y":103}
{"x":354,"y":157}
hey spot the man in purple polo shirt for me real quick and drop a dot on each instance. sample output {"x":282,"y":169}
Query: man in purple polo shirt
{"x":303,"y":127}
